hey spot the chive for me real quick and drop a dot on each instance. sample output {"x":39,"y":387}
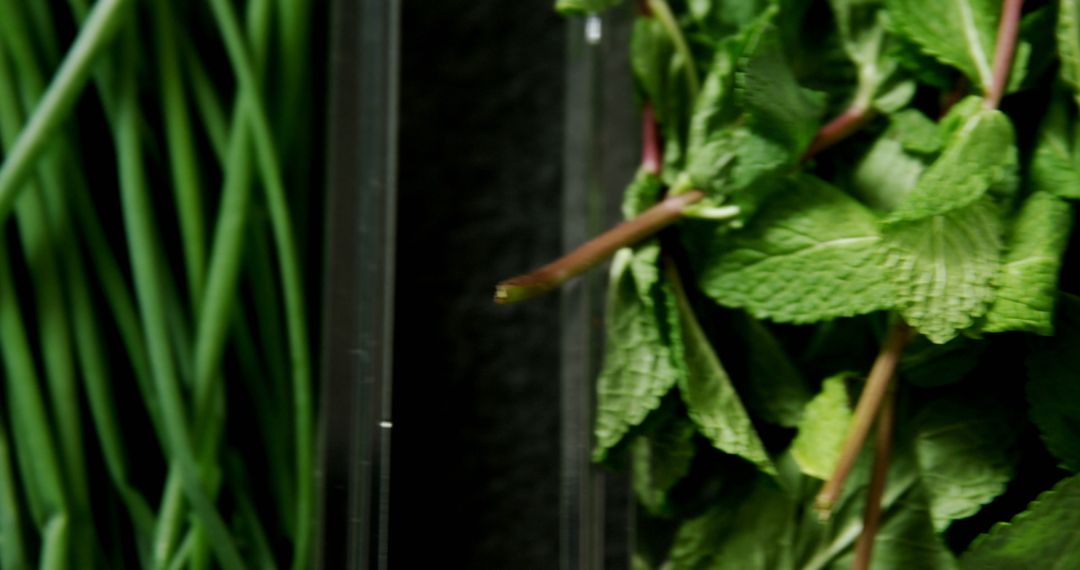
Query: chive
{"x":290,"y":274}
{"x":139,"y":223}
{"x":98,"y":30}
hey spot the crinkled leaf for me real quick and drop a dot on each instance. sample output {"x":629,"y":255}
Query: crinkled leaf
{"x":584,"y":6}
{"x":639,"y":366}
{"x":966,"y":455}
{"x":775,"y":389}
{"x":711,"y":400}
{"x":778,"y":107}
{"x":1028,"y":284}
{"x":980,"y":157}
{"x":811,"y":254}
{"x":1054,"y":167}
{"x":1044,"y":536}
{"x":660,"y":459}
{"x":1053,"y":388}
{"x":943,"y":267}
{"x":749,"y":528}
{"x":960,"y":33}
{"x":822,"y":430}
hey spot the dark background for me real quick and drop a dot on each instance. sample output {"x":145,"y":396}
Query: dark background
{"x":475,"y":457}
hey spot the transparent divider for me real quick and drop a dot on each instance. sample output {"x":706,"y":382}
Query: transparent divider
{"x":601,"y":156}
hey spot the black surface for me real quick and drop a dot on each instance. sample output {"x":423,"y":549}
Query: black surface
{"x":475,"y":460}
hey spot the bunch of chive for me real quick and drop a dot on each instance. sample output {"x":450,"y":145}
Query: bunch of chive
{"x":145,"y":200}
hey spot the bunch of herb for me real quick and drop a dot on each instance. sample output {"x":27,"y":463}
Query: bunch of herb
{"x":155,"y":345}
{"x":851,"y":216}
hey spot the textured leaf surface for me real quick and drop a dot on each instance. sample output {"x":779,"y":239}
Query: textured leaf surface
{"x":822,"y":430}
{"x":1044,"y":536}
{"x":980,"y":157}
{"x":710,"y":398}
{"x":965,"y":453}
{"x":960,"y":33}
{"x":943,"y":268}
{"x":811,"y":254}
{"x":1028,"y":284}
{"x":886,"y":174}
{"x":660,"y":460}
{"x":1054,"y":386}
{"x":638,"y":362}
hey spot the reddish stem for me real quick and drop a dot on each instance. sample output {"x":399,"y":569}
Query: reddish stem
{"x":651,"y":155}
{"x":864,"y":549}
{"x":851,"y":120}
{"x":877,"y":384}
{"x":1004,"y":51}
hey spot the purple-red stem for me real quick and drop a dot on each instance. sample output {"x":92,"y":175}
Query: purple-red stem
{"x":651,"y":155}
{"x":1004,"y":51}
{"x":864,"y":549}
{"x":877,"y":384}
{"x":843,"y":126}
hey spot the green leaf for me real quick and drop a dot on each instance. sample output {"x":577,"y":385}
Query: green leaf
{"x":639,"y":366}
{"x":866,"y":41}
{"x":943,"y":268}
{"x":584,"y":6}
{"x":748,"y":528}
{"x":886,"y":174}
{"x":1068,"y":43}
{"x":980,"y":157}
{"x":1053,"y":388}
{"x":1054,"y":167}
{"x":775,"y":389}
{"x":822,"y":430}
{"x":1044,"y":536}
{"x":811,"y":254}
{"x":1028,"y":283}
{"x":965,"y":452}
{"x":711,"y":400}
{"x":960,"y":33}
{"x":778,"y":106}
{"x":916,"y":132}
{"x":661,"y":459}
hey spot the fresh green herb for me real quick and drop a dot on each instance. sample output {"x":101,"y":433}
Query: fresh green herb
{"x":942,"y":243}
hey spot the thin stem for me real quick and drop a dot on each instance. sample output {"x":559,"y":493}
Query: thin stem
{"x":550,"y":276}
{"x":651,"y":153}
{"x":886,"y":421}
{"x":877,"y":384}
{"x":1004,"y":51}
{"x":662,"y":12}
{"x":843,"y":126}
{"x":98,"y":30}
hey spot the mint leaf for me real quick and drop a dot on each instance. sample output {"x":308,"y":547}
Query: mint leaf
{"x":964,"y":450}
{"x":930,"y":365}
{"x":811,"y":254}
{"x":1028,"y":284}
{"x":660,"y":459}
{"x":748,"y":528}
{"x":775,"y":389}
{"x":1044,"y":536}
{"x":822,"y":430}
{"x":639,"y":366}
{"x":1068,"y":43}
{"x":886,"y":174}
{"x":915,"y":131}
{"x":1054,"y":166}
{"x":711,"y":400}
{"x":980,"y":157}
{"x":960,"y":33}
{"x":1053,"y":388}
{"x":943,"y":267}
{"x":860,"y":24}
{"x":584,"y":6}
{"x":778,"y":107}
